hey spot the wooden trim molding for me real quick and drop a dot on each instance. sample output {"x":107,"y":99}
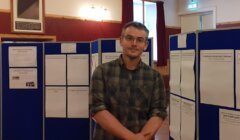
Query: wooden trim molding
{"x":232,"y":24}
{"x":173,"y":27}
{"x":23,"y":37}
{"x":5,"y":11}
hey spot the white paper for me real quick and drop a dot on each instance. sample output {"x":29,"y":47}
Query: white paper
{"x":23,"y":78}
{"x":187,"y":74}
{"x":229,"y":124}
{"x":22,"y":56}
{"x":175,"y":112}
{"x":55,"y":102}
{"x":187,"y":120}
{"x":237,"y":66}
{"x":107,"y":57}
{"x":94,"y":62}
{"x":182,"y":41}
{"x":145,"y":57}
{"x":78,"y":69}
{"x":216,"y":77}
{"x":55,"y":69}
{"x":78,"y":102}
{"x":175,"y":68}
{"x":118,"y":46}
{"x":68,"y":48}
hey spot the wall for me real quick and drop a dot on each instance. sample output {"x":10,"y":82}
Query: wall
{"x":78,"y":30}
{"x":171,"y":13}
{"x":70,"y":29}
{"x":226,"y":10}
{"x":62,"y":19}
{"x":5,"y":4}
{"x":74,"y":8}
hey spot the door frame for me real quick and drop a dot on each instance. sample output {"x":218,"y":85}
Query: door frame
{"x":201,"y":11}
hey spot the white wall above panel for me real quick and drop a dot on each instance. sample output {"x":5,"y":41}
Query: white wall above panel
{"x":226,"y":10}
{"x":77,"y":8}
{"x":189,"y":23}
{"x":73,"y":8}
{"x":171,"y":13}
{"x":5,"y":4}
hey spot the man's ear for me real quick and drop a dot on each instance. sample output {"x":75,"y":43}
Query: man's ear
{"x":145,"y":48}
{"x":120,"y":40}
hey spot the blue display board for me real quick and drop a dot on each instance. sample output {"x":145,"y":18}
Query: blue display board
{"x":22,"y":102}
{"x":209,"y":114}
{"x":67,"y":128}
{"x":190,"y":44}
{"x":23,"y":114}
{"x":94,"y":47}
{"x":220,"y":108}
{"x":94,"y":63}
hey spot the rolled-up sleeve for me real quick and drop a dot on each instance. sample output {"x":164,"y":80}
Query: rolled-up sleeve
{"x":158,"y":101}
{"x":97,"y":91}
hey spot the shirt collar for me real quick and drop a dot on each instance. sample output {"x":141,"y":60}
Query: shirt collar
{"x":121,"y":63}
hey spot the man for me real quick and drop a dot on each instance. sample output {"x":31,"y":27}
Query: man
{"x":128,"y":99}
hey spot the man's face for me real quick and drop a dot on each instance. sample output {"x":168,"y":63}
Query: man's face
{"x":133,"y":41}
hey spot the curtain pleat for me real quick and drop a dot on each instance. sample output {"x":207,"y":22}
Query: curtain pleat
{"x":162,"y":49}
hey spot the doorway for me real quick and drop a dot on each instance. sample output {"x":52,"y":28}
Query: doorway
{"x":198,"y":21}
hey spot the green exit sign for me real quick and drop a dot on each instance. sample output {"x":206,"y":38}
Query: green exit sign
{"x":192,"y":5}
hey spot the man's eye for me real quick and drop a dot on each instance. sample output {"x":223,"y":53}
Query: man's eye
{"x":140,"y":39}
{"x":129,"y":37}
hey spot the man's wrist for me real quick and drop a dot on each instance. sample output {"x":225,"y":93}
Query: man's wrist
{"x":129,"y":136}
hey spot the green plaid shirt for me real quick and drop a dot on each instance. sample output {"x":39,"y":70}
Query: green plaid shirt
{"x":132,"y":96}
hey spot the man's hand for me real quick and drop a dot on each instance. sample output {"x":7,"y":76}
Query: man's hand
{"x":147,"y":135}
{"x":138,"y":136}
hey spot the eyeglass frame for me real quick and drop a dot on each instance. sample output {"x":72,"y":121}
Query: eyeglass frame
{"x":139,"y":40}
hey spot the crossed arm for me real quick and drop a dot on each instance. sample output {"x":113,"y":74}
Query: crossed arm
{"x":108,"y":122}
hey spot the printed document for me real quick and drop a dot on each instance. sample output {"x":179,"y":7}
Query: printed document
{"x":175,"y":68}
{"x":78,"y":69}
{"x":22,"y":56}
{"x":175,"y":112}
{"x":187,"y":74}
{"x":118,"y":46}
{"x":145,"y":57}
{"x":182,"y":41}
{"x":23,"y":78}
{"x":187,"y":120}
{"x":55,"y":102}
{"x":107,"y":57}
{"x":94,"y":62}
{"x":55,"y":69}
{"x":217,"y":77}
{"x":229,"y":124}
{"x":78,"y":102}
{"x":68,"y":47}
{"x":237,"y":72}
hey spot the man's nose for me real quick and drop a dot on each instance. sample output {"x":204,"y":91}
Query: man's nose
{"x":135,"y":41}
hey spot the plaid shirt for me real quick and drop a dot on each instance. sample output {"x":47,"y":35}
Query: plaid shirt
{"x":132,"y":96}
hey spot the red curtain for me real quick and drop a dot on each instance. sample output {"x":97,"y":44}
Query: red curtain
{"x":127,"y":11}
{"x":162,"y":49}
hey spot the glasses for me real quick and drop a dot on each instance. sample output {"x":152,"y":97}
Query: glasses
{"x":139,"y":40}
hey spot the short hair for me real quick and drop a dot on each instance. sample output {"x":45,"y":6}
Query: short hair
{"x":137,"y":25}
